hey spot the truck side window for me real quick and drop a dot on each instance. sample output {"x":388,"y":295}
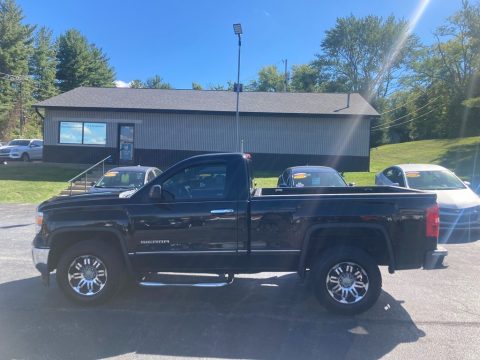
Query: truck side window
{"x":206,"y":181}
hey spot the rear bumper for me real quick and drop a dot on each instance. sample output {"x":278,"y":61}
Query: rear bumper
{"x":40,"y":260}
{"x":434,"y":259}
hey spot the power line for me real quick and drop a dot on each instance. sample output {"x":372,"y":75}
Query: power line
{"x":404,"y":116}
{"x":405,"y":103}
{"x":404,"y":122}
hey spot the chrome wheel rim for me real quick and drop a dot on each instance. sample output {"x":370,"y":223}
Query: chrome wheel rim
{"x":87,"y":275}
{"x":347,"y":282}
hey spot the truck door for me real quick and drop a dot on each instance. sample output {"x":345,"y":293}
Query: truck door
{"x":194,"y":223}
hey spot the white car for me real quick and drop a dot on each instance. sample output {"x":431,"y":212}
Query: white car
{"x":22,"y":149}
{"x":459,"y":205}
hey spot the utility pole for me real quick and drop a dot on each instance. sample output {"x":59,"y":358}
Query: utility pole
{"x":285,"y":81}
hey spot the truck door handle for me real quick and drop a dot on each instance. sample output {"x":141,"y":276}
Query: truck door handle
{"x":222,"y":211}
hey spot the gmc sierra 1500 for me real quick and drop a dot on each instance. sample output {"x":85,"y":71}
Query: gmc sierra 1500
{"x":203,"y":215}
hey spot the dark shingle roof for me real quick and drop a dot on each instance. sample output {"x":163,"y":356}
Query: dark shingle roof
{"x":210,"y":101}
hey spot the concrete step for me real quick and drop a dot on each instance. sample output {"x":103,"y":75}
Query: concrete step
{"x":82,"y":183}
{"x":74,"y":192}
{"x":79,"y":187}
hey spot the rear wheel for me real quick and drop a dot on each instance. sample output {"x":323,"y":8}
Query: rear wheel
{"x":346,"y":280}
{"x":90,"y":272}
{"x":25,"y":157}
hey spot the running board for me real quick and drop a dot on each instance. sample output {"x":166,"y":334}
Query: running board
{"x":229,"y":280}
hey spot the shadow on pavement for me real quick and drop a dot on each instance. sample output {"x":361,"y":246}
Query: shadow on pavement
{"x":458,"y":236}
{"x":272,"y":318}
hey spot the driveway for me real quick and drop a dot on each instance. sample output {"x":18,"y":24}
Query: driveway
{"x":420,"y":314}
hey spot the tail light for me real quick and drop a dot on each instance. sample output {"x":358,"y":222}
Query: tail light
{"x":433,"y":221}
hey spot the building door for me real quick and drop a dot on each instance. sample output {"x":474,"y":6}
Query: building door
{"x":126,"y":144}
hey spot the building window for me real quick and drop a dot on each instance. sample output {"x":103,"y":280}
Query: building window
{"x":87,"y":133}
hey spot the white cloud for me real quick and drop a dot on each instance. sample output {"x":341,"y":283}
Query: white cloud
{"x":121,"y":84}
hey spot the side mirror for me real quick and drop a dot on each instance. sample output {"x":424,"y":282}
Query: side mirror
{"x":395,"y":184}
{"x":282,"y":184}
{"x":351,"y":184}
{"x":468,"y":183}
{"x":155,"y":192}
{"x":92,"y":183}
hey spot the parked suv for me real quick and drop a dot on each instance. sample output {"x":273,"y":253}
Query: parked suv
{"x":22,"y":149}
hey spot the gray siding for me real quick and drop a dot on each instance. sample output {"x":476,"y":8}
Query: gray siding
{"x":202,"y":132}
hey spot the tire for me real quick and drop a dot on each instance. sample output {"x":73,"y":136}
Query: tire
{"x":25,"y":157}
{"x":98,"y":265}
{"x":357,"y":286}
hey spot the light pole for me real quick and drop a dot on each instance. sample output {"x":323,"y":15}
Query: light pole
{"x":237,"y":29}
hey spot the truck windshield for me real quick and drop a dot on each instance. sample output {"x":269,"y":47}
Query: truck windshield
{"x":122,"y":179}
{"x":433,"y":180}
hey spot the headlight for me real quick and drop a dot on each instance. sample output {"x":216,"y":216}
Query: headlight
{"x":38,"y":222}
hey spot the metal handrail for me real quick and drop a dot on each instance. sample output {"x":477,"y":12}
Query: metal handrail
{"x":86,"y":172}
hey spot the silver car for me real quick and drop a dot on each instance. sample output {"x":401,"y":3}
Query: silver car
{"x":459,"y":205}
{"x":125,"y":178}
{"x":22,"y":149}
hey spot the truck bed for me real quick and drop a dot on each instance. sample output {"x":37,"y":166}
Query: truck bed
{"x":354,"y":190}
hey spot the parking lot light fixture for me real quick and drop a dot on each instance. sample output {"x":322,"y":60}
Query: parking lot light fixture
{"x":237,"y":28}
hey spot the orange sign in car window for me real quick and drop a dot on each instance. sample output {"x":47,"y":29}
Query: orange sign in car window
{"x":299,"y":176}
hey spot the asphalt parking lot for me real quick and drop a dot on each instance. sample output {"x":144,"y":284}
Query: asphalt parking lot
{"x":420,"y":314}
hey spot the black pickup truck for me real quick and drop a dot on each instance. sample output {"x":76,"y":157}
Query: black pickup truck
{"x":203,"y":215}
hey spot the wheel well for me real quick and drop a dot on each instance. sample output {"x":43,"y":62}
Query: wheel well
{"x":64,"y":240}
{"x":372,"y":241}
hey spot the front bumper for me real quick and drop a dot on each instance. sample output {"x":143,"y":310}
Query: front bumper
{"x":434,"y":259}
{"x":40,"y":260}
{"x":10,"y":156}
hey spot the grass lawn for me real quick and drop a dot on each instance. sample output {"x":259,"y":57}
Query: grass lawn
{"x":33,"y":182}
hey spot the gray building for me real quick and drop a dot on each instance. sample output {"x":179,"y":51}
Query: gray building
{"x":160,"y":127}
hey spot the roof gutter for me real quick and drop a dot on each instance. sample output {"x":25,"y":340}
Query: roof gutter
{"x":209,"y":112}
{"x":39,"y":114}
{"x":43,"y":120}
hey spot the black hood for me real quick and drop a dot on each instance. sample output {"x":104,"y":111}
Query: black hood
{"x":86,"y":199}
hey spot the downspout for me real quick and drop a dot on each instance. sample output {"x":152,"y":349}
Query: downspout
{"x":43,"y":121}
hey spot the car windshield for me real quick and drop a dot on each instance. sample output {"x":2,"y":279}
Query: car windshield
{"x":19,"y":143}
{"x":122,"y":179}
{"x":317,"y":178}
{"x":433,"y":180}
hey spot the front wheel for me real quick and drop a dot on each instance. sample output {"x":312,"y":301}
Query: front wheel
{"x":90,"y":272}
{"x":346,"y":280}
{"x":25,"y":157}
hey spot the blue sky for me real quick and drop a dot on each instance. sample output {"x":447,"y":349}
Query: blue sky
{"x":185,"y":41}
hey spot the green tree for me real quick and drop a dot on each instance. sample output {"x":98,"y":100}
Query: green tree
{"x":81,"y":63}
{"x":99,"y":70}
{"x":365,"y":54}
{"x":137,"y":84}
{"x":448,"y":72}
{"x":269,"y":79}
{"x":156,"y":82}
{"x":196,"y":86}
{"x":304,"y":78}
{"x":15,"y":50}
{"x":43,"y":65}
